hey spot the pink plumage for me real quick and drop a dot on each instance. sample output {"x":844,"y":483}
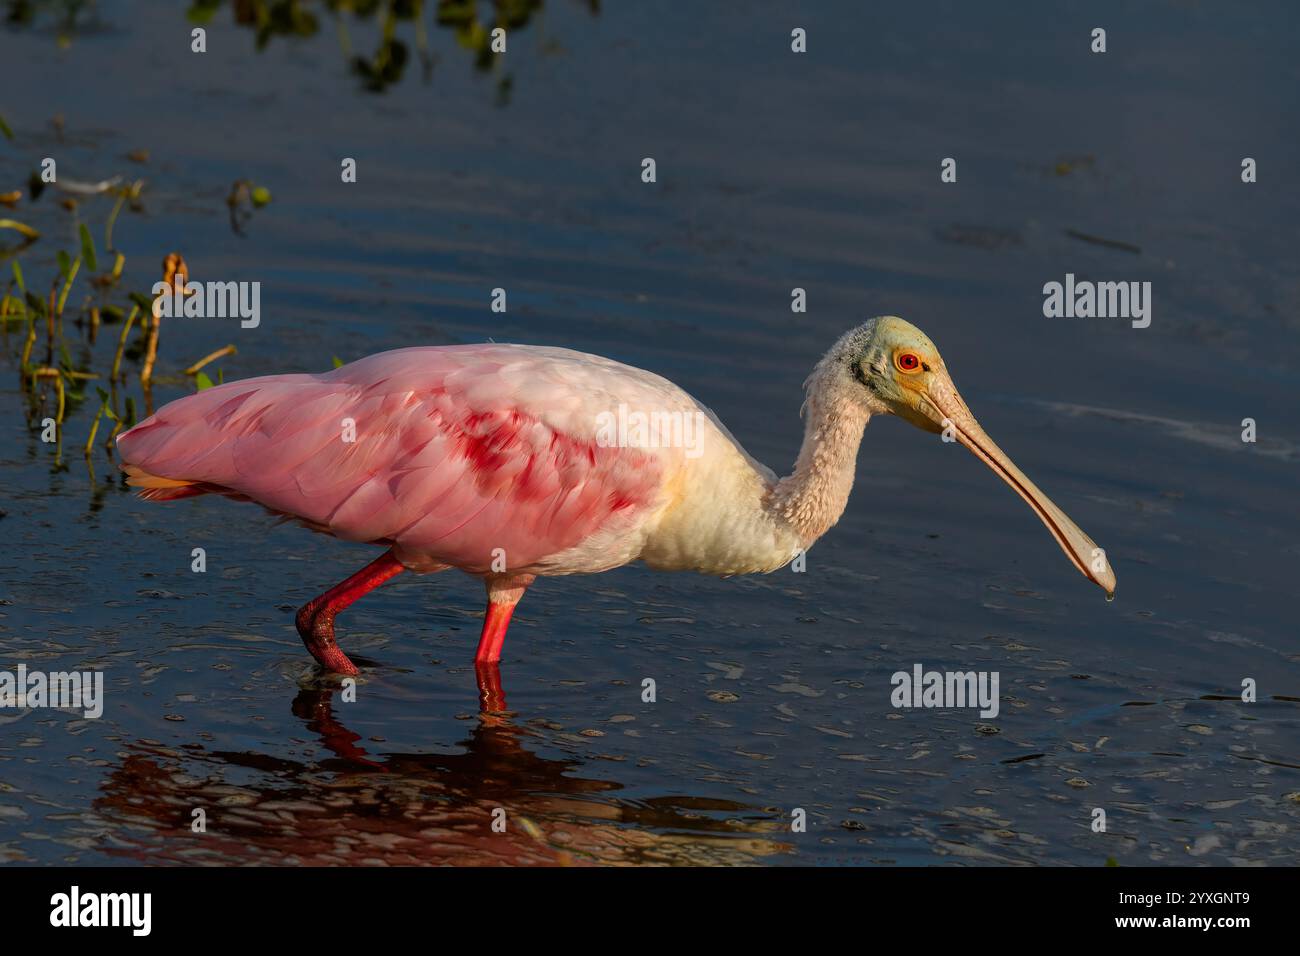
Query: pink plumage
{"x":457,"y":452}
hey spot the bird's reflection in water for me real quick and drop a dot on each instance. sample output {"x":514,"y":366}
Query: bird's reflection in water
{"x":358,"y":808}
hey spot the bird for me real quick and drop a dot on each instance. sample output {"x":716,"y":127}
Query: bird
{"x":514,"y":462}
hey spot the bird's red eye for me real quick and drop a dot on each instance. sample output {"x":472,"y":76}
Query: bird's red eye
{"x":908,"y":362}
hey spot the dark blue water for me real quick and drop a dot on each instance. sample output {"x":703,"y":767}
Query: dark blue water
{"x":775,"y":170}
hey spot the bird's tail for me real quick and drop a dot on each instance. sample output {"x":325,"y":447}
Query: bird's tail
{"x":157,"y":488}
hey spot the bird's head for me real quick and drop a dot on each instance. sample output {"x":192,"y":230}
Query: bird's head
{"x":899,"y":371}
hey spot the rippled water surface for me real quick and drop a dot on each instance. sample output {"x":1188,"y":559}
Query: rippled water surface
{"x":775,"y":171}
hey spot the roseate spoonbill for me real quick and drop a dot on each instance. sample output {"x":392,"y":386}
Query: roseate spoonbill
{"x":503,"y":461}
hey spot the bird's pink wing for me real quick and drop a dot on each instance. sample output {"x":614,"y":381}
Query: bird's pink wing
{"x":458,"y":451}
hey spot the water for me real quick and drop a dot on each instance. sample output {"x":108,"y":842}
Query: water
{"x":775,"y":171}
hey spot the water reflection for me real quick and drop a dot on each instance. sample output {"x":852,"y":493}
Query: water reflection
{"x":351,"y":806}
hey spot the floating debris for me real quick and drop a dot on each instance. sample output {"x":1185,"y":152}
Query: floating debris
{"x":78,"y":188}
{"x":1100,"y":241}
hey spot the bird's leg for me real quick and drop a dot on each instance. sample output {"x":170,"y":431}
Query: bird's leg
{"x":503,"y":594}
{"x":316,"y":618}
{"x":491,"y":697}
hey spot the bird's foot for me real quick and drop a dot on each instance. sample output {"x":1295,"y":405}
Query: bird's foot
{"x":316,"y":627}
